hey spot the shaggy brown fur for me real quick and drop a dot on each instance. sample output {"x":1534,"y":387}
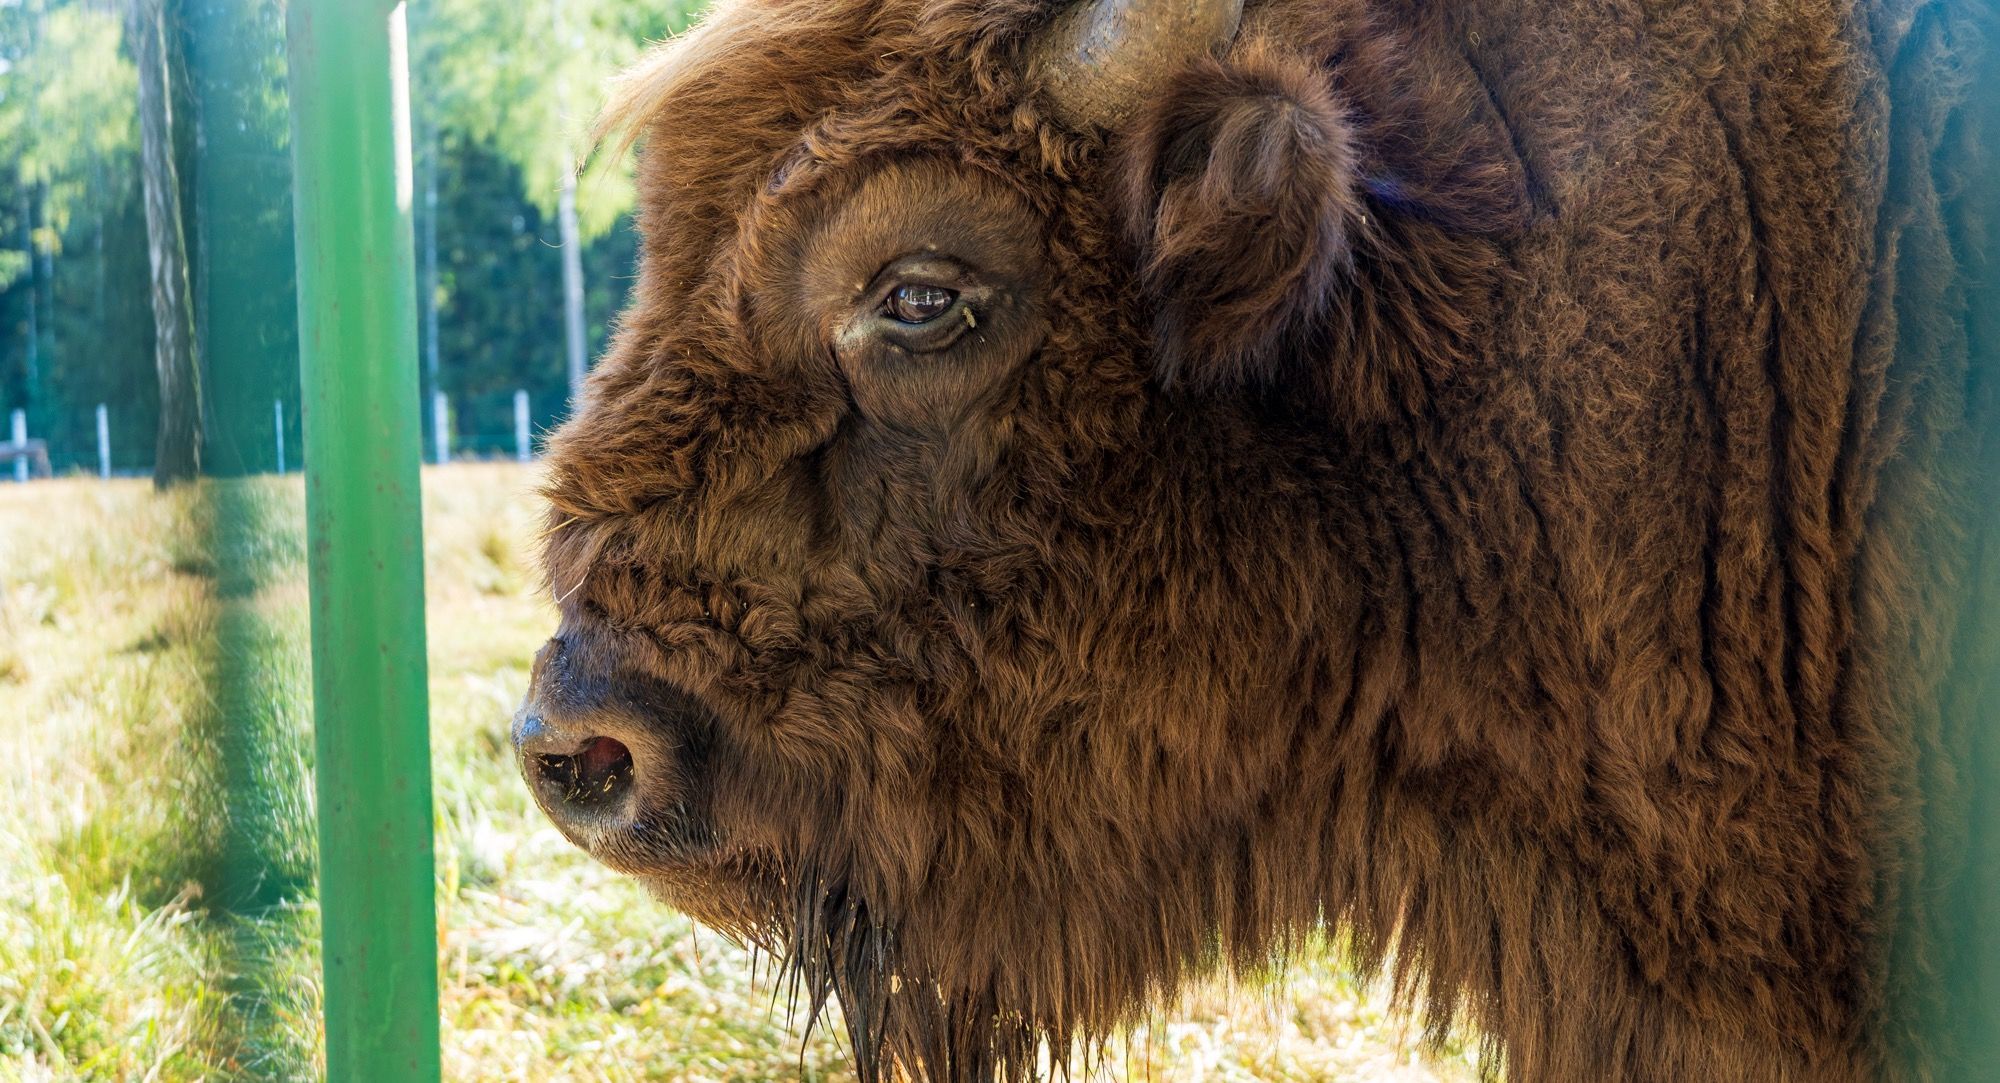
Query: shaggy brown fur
{"x":1477,"y":475}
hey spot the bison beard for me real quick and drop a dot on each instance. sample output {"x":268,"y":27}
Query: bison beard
{"x":1478,"y":476}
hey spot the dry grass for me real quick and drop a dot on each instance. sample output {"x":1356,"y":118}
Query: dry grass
{"x":123,"y":956}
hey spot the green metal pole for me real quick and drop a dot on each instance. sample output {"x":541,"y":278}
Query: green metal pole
{"x":357,"y":324}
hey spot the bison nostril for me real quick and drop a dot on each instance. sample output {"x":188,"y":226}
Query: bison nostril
{"x":595,"y":775}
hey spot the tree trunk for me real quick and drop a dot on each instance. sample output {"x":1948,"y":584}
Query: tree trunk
{"x":177,"y":454}
{"x":572,"y":244}
{"x":51,"y":352}
{"x":34,"y":388}
{"x":572,"y":253}
{"x":427,"y":281}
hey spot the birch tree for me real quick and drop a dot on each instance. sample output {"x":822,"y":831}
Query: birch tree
{"x":177,"y":453}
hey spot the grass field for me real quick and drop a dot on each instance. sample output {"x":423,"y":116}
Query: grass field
{"x":157,"y":924}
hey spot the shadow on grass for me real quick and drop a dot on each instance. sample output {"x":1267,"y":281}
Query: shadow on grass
{"x":258,"y":864}
{"x":224,"y":825}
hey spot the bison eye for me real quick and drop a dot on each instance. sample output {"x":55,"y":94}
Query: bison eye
{"x":920,"y":303}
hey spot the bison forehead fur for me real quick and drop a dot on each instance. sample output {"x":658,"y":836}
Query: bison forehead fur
{"x":1474,"y":476}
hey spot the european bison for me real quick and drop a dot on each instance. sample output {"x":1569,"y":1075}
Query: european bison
{"x":1086,"y":495}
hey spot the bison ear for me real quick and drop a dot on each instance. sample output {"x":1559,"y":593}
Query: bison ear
{"x":1238,"y":193}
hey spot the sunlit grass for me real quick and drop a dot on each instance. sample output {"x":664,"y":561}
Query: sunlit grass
{"x":157,"y":924}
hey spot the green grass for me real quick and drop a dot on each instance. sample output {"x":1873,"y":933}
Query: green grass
{"x":158,"y":924}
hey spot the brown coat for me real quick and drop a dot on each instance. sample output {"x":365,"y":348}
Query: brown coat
{"x":1477,"y":475}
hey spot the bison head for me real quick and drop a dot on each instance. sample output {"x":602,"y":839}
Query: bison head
{"x":980,"y":581}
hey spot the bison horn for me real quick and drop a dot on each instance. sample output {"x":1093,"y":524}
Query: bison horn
{"x":1098,"y":59}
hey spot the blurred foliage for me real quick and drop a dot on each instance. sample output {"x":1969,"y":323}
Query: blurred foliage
{"x":238,"y":191}
{"x":525,"y":80}
{"x":72,"y":233}
{"x":499,"y":293}
{"x":503,"y":95}
{"x":502,"y":102}
{"x":66,"y":110}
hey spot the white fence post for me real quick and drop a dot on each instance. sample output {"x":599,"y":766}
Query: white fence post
{"x":278,"y":430}
{"x":440,"y":435}
{"x":103,"y":441}
{"x":21,"y":445}
{"x":522,"y":443}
